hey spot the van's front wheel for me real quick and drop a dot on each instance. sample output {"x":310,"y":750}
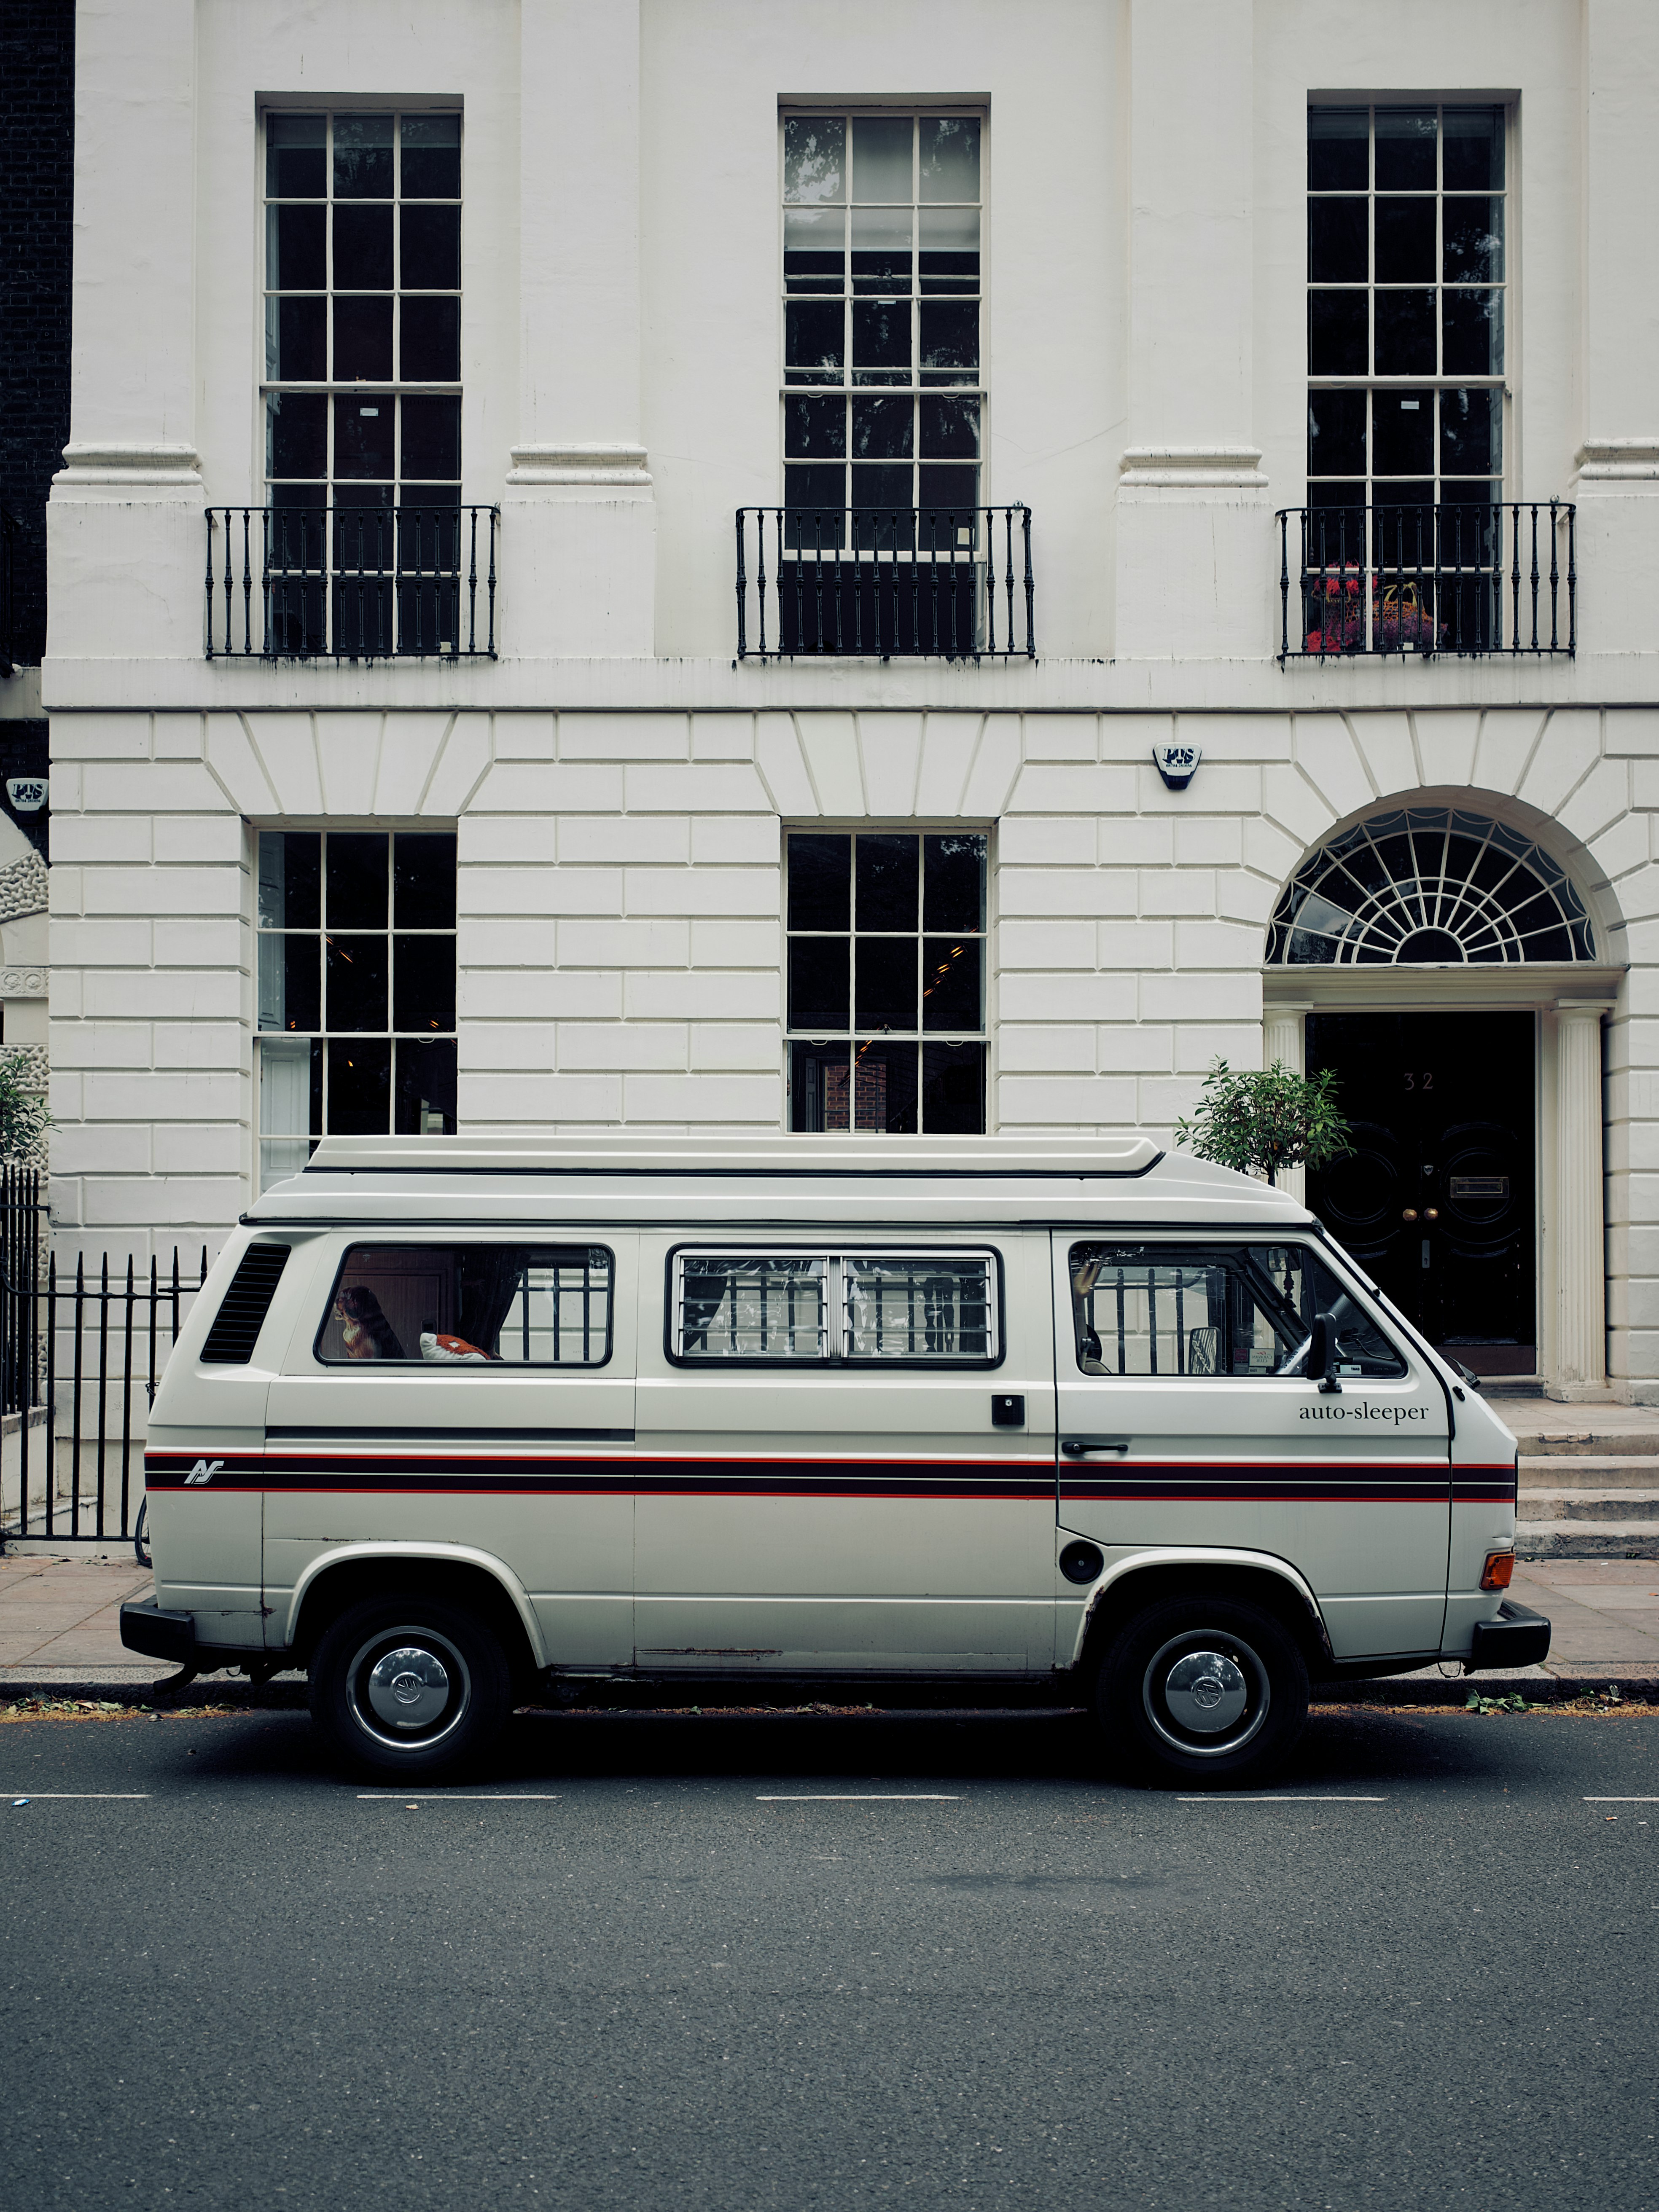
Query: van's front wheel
{"x":1206,"y":1691}
{"x":409,"y":1685}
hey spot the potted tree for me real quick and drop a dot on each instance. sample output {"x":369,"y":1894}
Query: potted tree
{"x":1261,"y":1121}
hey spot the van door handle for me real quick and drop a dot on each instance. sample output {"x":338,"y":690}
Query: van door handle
{"x":1080,"y":1447}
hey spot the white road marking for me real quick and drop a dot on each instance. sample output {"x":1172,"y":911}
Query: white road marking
{"x":457,"y":1796}
{"x":102,"y":1797}
{"x":1221,"y":1797}
{"x":1620,"y":1801}
{"x":863,"y":1797}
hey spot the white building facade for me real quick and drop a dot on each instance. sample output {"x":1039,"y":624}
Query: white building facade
{"x":452,"y":380}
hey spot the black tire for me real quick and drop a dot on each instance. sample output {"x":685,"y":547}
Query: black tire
{"x":1231,"y":1713}
{"x":439,"y":1707}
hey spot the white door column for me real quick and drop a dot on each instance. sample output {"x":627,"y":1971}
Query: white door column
{"x":1578,"y":1229}
{"x":1284,"y":1038}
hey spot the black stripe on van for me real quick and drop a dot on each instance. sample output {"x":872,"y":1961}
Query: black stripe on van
{"x":236,"y":1326}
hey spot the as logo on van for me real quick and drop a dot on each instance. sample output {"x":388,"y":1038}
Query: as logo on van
{"x":205,"y":1470}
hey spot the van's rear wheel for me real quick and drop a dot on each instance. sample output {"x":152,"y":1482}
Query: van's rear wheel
{"x":1203,"y":1691}
{"x":409,"y":1685}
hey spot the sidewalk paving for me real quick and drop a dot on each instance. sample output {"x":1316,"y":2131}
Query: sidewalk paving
{"x":59,"y":1627}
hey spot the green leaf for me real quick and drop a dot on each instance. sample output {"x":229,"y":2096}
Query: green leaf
{"x":1258,"y":1121}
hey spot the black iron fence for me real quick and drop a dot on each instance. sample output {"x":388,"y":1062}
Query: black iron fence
{"x":888,"y":583}
{"x":351,"y":583}
{"x":1483,"y":579}
{"x":80,"y":1352}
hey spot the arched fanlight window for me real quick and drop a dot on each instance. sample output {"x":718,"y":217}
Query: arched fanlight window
{"x":1428,"y":885}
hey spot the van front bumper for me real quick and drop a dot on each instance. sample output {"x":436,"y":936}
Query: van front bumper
{"x":159,"y":1635}
{"x":1518,"y":1637}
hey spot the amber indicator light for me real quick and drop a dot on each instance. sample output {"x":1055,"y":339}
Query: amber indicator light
{"x":1500,"y":1566}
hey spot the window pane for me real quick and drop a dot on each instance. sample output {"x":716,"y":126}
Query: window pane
{"x":881,"y":249}
{"x":432,"y":157}
{"x":820,"y":882}
{"x":889,"y":881}
{"x":816,"y":498}
{"x":881,"y":337}
{"x":1405,"y":149}
{"x":296,"y":340}
{"x":949,"y":427}
{"x":953,"y":1090}
{"x":881,"y":428}
{"x":362,"y":340}
{"x":954,"y":896}
{"x":290,"y":879}
{"x":294,"y":259}
{"x":1470,"y":431}
{"x":947,"y":498}
{"x":881,"y":489}
{"x":430,"y":249}
{"x":818,"y":983}
{"x":356,"y":879}
{"x":362,"y":157}
{"x":1405,"y":241}
{"x":949,"y":249}
{"x":815,"y":336}
{"x":952,"y":992}
{"x":432,"y":438}
{"x":290,"y":990}
{"x":430,"y":335}
{"x":285,"y":1122}
{"x":425,"y":1102}
{"x":814,"y":158}
{"x":820,"y":1085}
{"x":750,"y":1306}
{"x":1336,"y":433}
{"x":885,"y":1086}
{"x":950,"y":157}
{"x":560,"y":1311}
{"x":813,"y":240}
{"x":881,"y":157}
{"x":1473,"y":154}
{"x":1472,"y":333}
{"x":1404,"y":428}
{"x":1405,"y":333}
{"x":1339,"y":149}
{"x":363,"y":249}
{"x":1472,"y":232}
{"x":424,"y":880}
{"x":885,"y":983}
{"x":424,"y":982}
{"x":359,"y":1086}
{"x":478,"y":1306}
{"x":295,"y":156}
{"x":296,"y":435}
{"x":362,"y":435}
{"x":949,"y":334}
{"x":1339,"y":247}
{"x":814,"y":429}
{"x":1338,"y":334}
{"x":933,"y":1307}
{"x":356,"y":982}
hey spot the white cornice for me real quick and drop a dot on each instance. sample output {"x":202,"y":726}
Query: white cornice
{"x":1619,"y":460}
{"x":86,"y":462}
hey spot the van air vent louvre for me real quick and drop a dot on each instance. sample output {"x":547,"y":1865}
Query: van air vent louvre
{"x":236,"y":1326}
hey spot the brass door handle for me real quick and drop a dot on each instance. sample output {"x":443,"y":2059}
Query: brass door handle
{"x":1409,"y":1213}
{"x":1431,"y":1213}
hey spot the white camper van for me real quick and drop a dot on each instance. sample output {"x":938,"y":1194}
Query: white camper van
{"x":458,"y":1419}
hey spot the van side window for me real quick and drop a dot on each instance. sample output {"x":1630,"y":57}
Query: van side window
{"x":1199,"y":1309}
{"x":852,"y":1308}
{"x":473,"y":1305}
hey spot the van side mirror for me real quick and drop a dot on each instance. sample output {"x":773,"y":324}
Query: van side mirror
{"x":1319,"y":1353}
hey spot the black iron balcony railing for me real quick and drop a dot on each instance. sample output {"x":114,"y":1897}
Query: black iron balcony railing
{"x":1482,"y":578}
{"x":350,"y":583}
{"x":888,"y":583}
{"x":10,"y":529}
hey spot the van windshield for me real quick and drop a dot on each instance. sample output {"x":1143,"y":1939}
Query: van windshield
{"x":477,"y":1305}
{"x":1210,"y":1309}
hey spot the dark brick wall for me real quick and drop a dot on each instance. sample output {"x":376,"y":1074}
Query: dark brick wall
{"x":37,"y":207}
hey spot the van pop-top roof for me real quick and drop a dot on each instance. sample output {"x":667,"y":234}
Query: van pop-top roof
{"x":814,"y":1182}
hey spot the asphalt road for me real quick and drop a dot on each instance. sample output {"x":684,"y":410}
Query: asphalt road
{"x":806,"y":1963}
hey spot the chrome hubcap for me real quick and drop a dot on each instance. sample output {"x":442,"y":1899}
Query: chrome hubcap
{"x":409,"y":1687}
{"x":1205,"y":1695}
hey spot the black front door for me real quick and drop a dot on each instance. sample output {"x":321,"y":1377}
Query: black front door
{"x":1436,"y":1196}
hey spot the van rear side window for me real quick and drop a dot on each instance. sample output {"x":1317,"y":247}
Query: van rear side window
{"x":472,"y":1305}
{"x":861,"y":1308}
{"x":1215,"y":1309}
